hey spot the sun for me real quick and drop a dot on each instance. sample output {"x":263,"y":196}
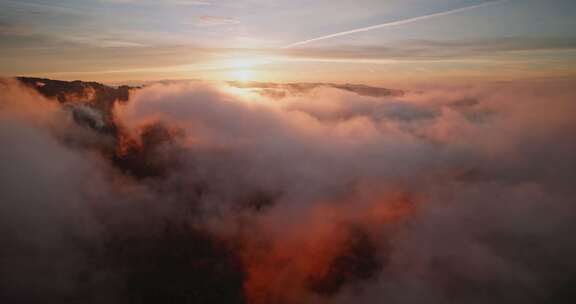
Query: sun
{"x":243,"y":75}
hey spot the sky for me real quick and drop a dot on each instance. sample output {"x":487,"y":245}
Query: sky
{"x":362,"y":41}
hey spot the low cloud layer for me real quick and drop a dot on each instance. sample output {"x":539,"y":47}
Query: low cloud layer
{"x":210,"y":193}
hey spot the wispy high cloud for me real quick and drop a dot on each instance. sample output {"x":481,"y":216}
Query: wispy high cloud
{"x":191,"y":2}
{"x":436,"y":49}
{"x":14,"y":29}
{"x":216,"y":20}
{"x":178,"y":2}
{"x":395,"y":23}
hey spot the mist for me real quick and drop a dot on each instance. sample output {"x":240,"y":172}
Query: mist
{"x":198,"y":192}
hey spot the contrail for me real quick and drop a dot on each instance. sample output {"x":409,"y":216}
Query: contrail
{"x":395,"y":23}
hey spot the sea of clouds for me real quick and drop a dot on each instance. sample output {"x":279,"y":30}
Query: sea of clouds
{"x":210,"y":193}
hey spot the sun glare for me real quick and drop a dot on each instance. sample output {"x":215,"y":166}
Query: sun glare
{"x":243,"y":75}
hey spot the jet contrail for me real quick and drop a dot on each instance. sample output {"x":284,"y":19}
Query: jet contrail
{"x":395,"y":23}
